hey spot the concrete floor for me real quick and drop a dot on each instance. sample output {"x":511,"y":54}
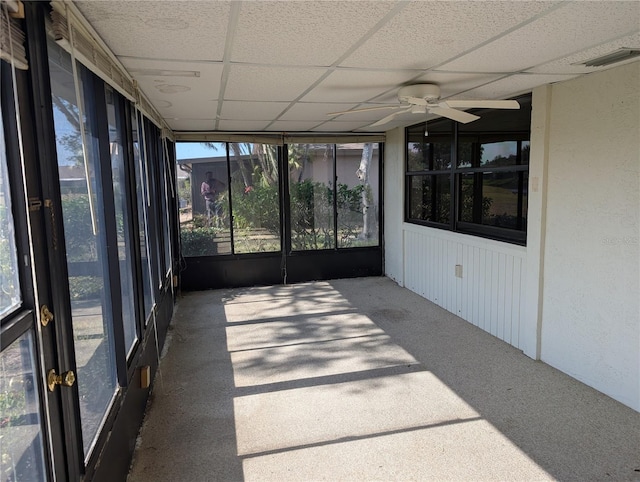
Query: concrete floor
{"x":360,"y":380}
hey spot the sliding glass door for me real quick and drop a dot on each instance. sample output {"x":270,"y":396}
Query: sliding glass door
{"x":84,"y":223}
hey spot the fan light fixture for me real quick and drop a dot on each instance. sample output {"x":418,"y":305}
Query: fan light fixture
{"x":425,"y":99}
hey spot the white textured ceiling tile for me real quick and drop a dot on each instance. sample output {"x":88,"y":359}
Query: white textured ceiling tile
{"x":293,"y":126}
{"x":191,"y":124}
{"x":558,"y":34}
{"x":513,"y":85}
{"x":312,"y":111}
{"x":240,"y":126}
{"x":194,"y":30}
{"x":367,"y":116}
{"x":567,"y":65}
{"x":426,"y":34}
{"x":187,"y":108}
{"x":248,"y":82}
{"x":345,"y":85}
{"x":237,"y":110}
{"x":334,"y":126}
{"x":302,"y":33}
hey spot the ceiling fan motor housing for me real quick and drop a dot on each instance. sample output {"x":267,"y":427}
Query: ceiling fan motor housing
{"x":429,"y":92}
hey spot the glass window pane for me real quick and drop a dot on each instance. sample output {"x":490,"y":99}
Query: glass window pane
{"x":83,"y":218}
{"x":202,"y":174}
{"x":142,"y":202}
{"x":431,"y":153}
{"x":524,"y":152}
{"x":311,"y":196}
{"x":118,"y":173}
{"x":495,"y":199}
{"x":10,"y":296}
{"x":21,"y":441}
{"x":357,"y":194}
{"x":255,"y":197}
{"x":168,"y":194}
{"x":496,"y":154}
{"x":488,"y":152}
{"x":429,"y":198}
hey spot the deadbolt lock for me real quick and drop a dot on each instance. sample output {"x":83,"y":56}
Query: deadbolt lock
{"x":45,"y":315}
{"x":66,"y":379}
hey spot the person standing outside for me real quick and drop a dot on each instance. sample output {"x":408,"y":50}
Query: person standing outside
{"x":211,"y":189}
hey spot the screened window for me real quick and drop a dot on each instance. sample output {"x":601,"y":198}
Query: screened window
{"x":10,"y":296}
{"x":472,"y":177}
{"x":232,"y":197}
{"x":122,"y":214}
{"x":311,"y":179}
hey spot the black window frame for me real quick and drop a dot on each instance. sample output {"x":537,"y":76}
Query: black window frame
{"x":443,"y":128}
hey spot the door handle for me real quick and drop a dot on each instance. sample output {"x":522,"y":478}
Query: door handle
{"x":66,"y":379}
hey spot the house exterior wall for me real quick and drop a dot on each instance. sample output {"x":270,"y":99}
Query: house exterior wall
{"x":491,"y":293}
{"x":591,"y":292}
{"x":571,"y":297}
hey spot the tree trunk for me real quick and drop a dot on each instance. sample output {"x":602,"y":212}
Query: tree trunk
{"x":246,"y":177}
{"x":368,"y":211}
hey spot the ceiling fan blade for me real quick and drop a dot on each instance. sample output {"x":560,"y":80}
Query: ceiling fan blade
{"x":453,"y":114}
{"x":483,"y":104}
{"x":390,"y":117}
{"x":365,"y":109}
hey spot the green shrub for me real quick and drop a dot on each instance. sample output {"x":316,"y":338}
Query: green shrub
{"x":198,"y":242}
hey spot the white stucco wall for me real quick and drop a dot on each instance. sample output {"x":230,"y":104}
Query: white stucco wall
{"x":580,"y":295}
{"x":591,"y":292}
{"x":393,"y":205}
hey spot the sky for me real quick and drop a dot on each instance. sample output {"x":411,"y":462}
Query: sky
{"x":197,"y":150}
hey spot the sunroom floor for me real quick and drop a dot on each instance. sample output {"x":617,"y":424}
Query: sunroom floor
{"x":359,"y":380}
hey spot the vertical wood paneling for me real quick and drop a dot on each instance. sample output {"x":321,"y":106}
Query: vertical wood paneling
{"x":490,"y":292}
{"x":508,"y":300}
{"x":500,"y":307}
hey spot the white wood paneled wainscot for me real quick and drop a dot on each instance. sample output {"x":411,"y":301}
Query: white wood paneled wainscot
{"x":482,"y":281}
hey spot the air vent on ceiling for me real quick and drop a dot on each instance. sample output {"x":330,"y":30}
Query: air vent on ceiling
{"x":617,"y":56}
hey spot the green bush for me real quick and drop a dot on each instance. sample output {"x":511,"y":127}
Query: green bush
{"x":198,"y":242}
{"x":85,"y":287}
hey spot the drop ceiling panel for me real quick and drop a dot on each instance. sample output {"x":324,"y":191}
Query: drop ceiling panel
{"x":567,"y":65}
{"x":237,"y":110}
{"x":187,"y":108}
{"x":338,"y":126}
{"x":426,"y":34}
{"x":292,"y":126}
{"x":191,"y":124}
{"x":302,"y":33}
{"x":302,"y":111}
{"x":513,"y":85}
{"x":370,"y":115}
{"x":251,"y":82}
{"x":556,"y":35}
{"x":346,"y":85}
{"x":161,"y":29}
{"x":240,"y":126}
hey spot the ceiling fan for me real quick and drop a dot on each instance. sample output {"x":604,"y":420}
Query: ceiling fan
{"x":425,"y":98}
